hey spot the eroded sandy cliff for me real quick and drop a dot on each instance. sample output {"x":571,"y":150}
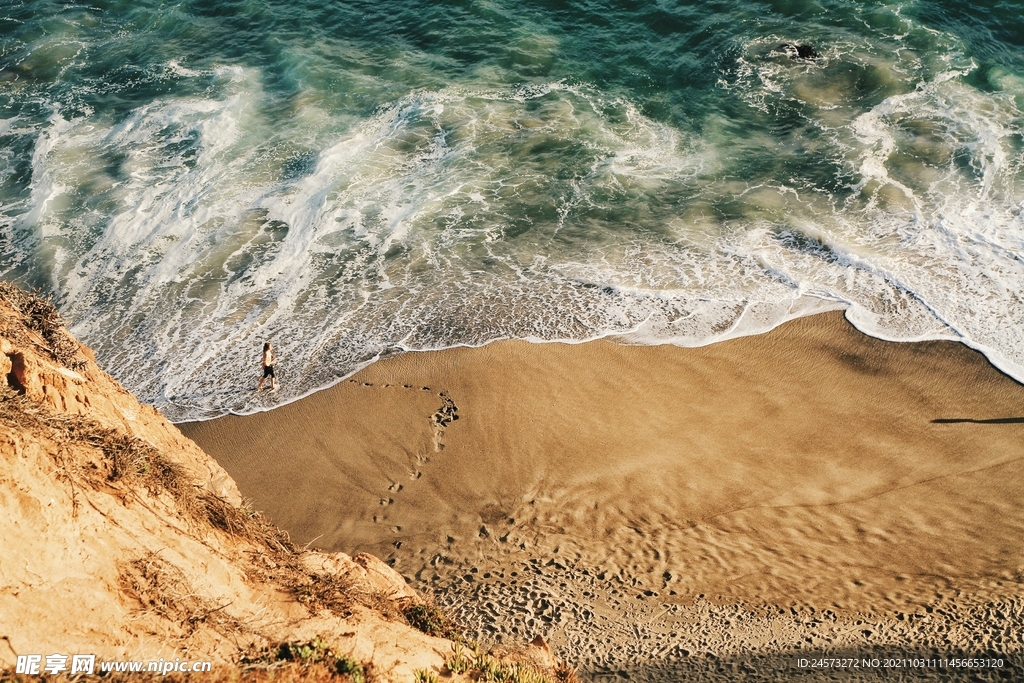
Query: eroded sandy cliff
{"x":122,"y":539}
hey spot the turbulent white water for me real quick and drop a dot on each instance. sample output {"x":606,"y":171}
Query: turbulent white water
{"x":182,"y":232}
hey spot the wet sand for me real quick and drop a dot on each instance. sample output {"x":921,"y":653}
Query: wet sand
{"x":659,"y":512}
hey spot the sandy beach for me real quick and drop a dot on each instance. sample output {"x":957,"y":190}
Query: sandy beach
{"x":661,"y":512}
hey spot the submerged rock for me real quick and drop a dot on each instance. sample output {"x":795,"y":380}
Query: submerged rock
{"x":797,"y":51}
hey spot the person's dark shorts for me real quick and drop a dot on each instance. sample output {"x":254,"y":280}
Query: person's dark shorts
{"x":268,"y":370}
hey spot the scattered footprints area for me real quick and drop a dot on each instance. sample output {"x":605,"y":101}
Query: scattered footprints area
{"x":670,"y":514}
{"x":617,"y":628}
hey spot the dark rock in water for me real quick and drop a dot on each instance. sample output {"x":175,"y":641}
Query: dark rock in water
{"x":801,"y":51}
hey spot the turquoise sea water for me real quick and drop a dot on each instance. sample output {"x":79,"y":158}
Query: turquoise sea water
{"x":346,"y":179}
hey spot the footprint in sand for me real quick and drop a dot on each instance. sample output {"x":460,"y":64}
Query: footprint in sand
{"x":442,"y":417}
{"x":440,"y":420}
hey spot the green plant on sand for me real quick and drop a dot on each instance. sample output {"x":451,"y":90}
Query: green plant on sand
{"x":483,"y":667}
{"x":314,"y":653}
{"x":433,"y":621}
{"x":424,"y":676}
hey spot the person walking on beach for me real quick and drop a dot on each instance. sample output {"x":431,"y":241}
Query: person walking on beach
{"x":268,"y":367}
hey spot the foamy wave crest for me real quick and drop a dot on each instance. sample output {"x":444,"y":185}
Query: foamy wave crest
{"x":427,"y":225}
{"x":923,"y":237}
{"x":183,"y":234}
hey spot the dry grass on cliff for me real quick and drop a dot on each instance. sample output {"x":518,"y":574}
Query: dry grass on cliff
{"x":90,"y":457}
{"x":38,"y":314}
{"x":317,"y":657}
{"x":242,"y":521}
{"x":164,"y":590}
{"x":135,"y":464}
{"x":318,"y":592}
{"x":511,"y":666}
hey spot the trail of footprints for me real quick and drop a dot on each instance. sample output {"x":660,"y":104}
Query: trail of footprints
{"x":618,"y":630}
{"x":447,"y":413}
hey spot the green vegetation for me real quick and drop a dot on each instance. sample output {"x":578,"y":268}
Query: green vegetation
{"x":424,"y":676}
{"x":432,"y":620}
{"x":458,"y":662}
{"x":315,"y":654}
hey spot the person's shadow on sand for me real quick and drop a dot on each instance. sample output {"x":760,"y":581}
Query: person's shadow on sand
{"x":993,"y":421}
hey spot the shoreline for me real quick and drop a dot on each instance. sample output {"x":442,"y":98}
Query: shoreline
{"x":809,"y":468}
{"x":623,"y":338}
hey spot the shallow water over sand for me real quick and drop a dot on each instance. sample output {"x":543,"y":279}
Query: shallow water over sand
{"x":191,"y":179}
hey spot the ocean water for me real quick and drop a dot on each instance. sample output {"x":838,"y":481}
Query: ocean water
{"x":348,"y":179}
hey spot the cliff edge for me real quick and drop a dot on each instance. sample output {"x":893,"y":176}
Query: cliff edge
{"x":122,"y":539}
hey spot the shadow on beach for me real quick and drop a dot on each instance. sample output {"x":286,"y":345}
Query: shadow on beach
{"x":869,"y":664}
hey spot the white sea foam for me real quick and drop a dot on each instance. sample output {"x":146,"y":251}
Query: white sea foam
{"x":549,"y":212}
